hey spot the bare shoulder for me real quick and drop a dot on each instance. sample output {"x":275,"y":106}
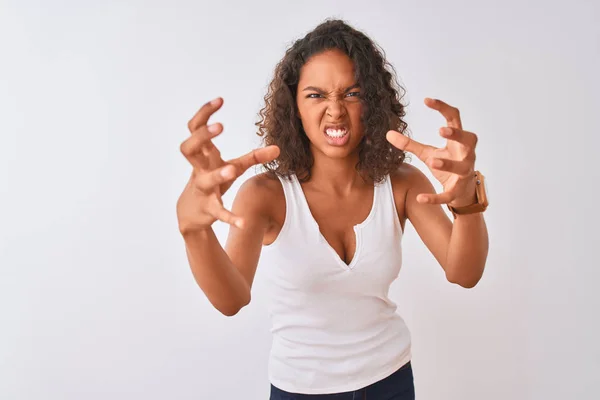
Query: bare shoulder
{"x":408,"y":181}
{"x":408,"y":175}
{"x":253,"y":203}
{"x":261,"y":187}
{"x":261,"y":196}
{"x":408,"y":178}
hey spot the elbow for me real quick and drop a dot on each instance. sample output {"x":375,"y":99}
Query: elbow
{"x":230,"y":312}
{"x":467,"y":282}
{"x":466,"y":275}
{"x":232,"y":309}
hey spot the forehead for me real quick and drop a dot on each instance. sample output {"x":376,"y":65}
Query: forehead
{"x":328,"y":70}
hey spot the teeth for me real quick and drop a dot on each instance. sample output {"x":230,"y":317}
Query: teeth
{"x":336,"y":132}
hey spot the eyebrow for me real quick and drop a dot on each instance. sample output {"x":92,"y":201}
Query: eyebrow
{"x":316,"y":89}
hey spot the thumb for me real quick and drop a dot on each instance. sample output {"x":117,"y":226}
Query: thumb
{"x":257,"y":156}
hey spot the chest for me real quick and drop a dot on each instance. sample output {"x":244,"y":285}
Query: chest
{"x":341,"y":245}
{"x":337,"y":218}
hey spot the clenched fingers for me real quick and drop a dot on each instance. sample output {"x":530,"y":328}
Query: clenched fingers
{"x":257,"y":156}
{"x":199,"y":144}
{"x":207,"y":182}
{"x":202,"y":116}
{"x":199,"y":138}
{"x":404,"y":143}
{"x":219,"y":212}
{"x":466,"y":138}
{"x":461,"y":168}
{"x":451,"y":114}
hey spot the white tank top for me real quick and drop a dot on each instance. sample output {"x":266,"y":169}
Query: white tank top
{"x":334,"y":327}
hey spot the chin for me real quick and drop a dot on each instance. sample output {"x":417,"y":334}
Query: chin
{"x":338,"y":152}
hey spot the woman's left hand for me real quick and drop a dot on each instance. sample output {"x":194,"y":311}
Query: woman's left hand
{"x":453,"y":165}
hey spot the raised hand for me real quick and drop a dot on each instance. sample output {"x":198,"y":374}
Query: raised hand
{"x":200,"y":204}
{"x":453,"y":165}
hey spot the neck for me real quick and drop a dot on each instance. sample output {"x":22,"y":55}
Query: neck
{"x":337,"y":176}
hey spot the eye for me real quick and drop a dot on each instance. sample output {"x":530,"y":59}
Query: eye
{"x":313,"y":96}
{"x":353,"y":94}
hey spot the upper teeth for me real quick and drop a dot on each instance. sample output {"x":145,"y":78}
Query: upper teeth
{"x":336,"y":132}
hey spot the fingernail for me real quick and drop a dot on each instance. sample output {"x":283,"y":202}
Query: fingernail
{"x":214,"y":128}
{"x":239,"y":223}
{"x":437,"y":163}
{"x":215,"y":101}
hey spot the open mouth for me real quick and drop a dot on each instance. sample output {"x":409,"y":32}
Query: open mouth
{"x":336,"y":133}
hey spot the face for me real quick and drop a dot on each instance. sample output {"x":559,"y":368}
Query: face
{"x":329,"y":104}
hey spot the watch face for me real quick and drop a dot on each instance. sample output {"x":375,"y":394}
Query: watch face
{"x":482,"y":190}
{"x":486,"y":191}
{"x":485,"y":188}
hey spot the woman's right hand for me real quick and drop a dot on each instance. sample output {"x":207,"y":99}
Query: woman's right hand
{"x":200,"y":204}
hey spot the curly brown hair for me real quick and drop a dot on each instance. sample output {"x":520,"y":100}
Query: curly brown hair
{"x":380,"y":94}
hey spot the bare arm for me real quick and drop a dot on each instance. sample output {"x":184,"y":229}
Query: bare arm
{"x":226,"y":276}
{"x":468,"y":250}
{"x":215,"y":274}
{"x":224,"y":279}
{"x":460,"y":248}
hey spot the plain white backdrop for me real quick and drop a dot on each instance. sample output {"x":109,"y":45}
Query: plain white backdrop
{"x":96,"y":298}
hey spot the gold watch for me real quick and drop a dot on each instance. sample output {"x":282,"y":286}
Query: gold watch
{"x":482,"y":200}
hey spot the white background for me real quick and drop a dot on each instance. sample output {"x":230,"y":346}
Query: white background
{"x":96,"y":298}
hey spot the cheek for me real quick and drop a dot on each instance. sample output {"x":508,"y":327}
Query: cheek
{"x":355,"y":113}
{"x":311,"y":117}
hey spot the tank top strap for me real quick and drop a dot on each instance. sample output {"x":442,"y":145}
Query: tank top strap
{"x":388,"y":203}
{"x":296,"y":214}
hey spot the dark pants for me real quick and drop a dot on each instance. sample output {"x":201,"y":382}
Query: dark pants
{"x":398,"y":386}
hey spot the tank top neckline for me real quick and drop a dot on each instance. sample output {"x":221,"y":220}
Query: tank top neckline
{"x":357,"y":228}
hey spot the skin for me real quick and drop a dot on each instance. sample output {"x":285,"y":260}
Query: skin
{"x":335,"y":193}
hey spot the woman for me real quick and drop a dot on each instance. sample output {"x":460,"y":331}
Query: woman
{"x":327,"y":217}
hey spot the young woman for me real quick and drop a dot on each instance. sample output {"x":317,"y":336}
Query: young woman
{"x":327,"y":217}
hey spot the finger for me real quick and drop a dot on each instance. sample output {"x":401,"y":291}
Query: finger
{"x":442,"y":198}
{"x":461,"y":168}
{"x":451,"y":114}
{"x":404,"y":143}
{"x":196,"y":148}
{"x":467,"y":139}
{"x":257,"y":156}
{"x":209,"y":150}
{"x":201,"y":117}
{"x":199,"y":138}
{"x":209,"y":181}
{"x":228,"y":217}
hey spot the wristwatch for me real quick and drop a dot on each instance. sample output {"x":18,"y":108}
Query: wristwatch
{"x":482,"y":200}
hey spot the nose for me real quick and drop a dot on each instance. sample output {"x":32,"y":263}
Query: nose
{"x":336,"y":109}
